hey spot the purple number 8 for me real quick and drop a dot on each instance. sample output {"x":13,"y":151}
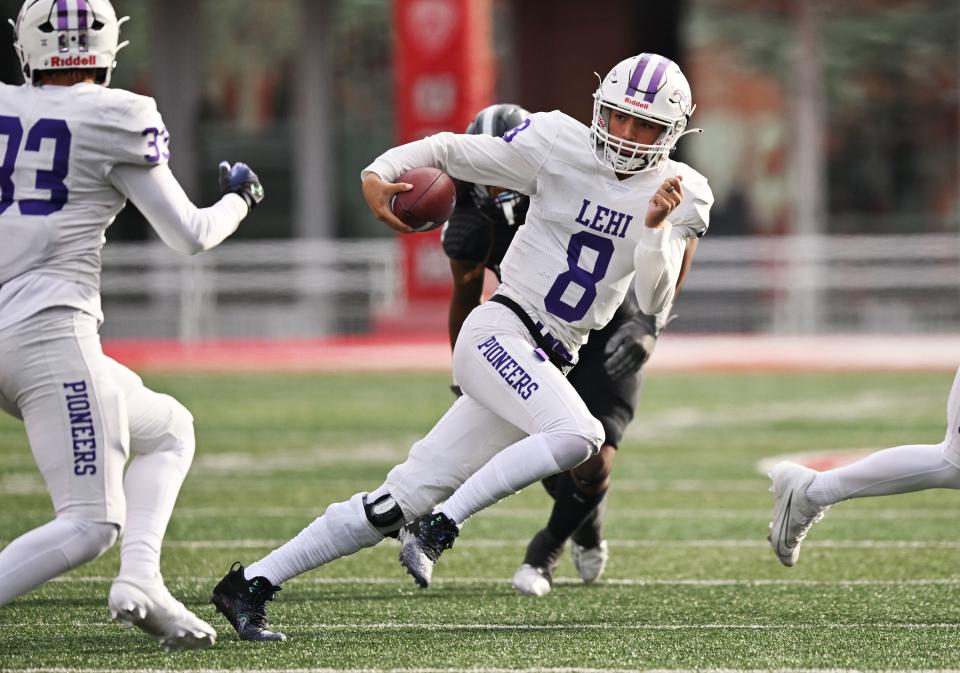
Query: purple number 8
{"x":512,"y":133}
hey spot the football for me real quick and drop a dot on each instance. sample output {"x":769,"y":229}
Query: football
{"x":430,"y":203}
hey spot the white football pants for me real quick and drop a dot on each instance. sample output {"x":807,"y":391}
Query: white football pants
{"x":509,"y":393}
{"x":900,"y":469}
{"x":951,"y":442}
{"x":481,"y":444}
{"x":83,"y":413}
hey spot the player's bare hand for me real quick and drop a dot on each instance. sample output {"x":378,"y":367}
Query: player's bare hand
{"x":378,"y":193}
{"x":662,"y":203}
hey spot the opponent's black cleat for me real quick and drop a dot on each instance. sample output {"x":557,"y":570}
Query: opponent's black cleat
{"x":422,"y":542}
{"x":244,"y":603}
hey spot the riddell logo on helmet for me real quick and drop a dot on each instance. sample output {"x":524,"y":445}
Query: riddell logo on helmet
{"x":636,"y":103}
{"x":73,"y":61}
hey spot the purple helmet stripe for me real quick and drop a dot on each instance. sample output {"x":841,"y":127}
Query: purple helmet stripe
{"x":634,"y":86}
{"x":63,"y":15}
{"x":82,"y":9}
{"x":656,"y":79}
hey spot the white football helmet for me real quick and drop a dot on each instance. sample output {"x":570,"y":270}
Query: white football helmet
{"x":67,"y":34}
{"x":652,"y":88}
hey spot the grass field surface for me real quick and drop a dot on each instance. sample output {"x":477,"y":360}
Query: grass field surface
{"x":691,"y":582}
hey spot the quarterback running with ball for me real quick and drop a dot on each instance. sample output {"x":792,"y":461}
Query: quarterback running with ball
{"x":609,"y":213}
{"x":607,"y":376}
{"x":75,"y":151}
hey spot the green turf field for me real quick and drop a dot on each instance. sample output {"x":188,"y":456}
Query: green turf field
{"x":691,"y":582}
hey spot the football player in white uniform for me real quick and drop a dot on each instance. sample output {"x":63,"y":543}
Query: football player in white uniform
{"x":802,"y":495}
{"x":608,"y":210}
{"x":607,"y":375}
{"x":73,"y":152}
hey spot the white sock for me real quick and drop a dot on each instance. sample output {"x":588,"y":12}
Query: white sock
{"x":516,"y":467}
{"x":342,"y":530}
{"x":898,"y":470}
{"x":151,"y":486}
{"x":48,"y":551}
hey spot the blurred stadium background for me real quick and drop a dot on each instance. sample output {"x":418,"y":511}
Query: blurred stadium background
{"x":831,"y":142}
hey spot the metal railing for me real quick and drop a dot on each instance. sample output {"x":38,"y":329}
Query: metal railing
{"x":816,"y":284}
{"x":312,"y":288}
{"x":272,"y":289}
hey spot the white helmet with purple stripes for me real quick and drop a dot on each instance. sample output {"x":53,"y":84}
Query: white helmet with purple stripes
{"x":67,"y":34}
{"x":653,"y":88}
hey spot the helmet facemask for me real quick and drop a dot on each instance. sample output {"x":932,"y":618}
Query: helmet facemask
{"x":648,"y":87}
{"x":512,"y":205}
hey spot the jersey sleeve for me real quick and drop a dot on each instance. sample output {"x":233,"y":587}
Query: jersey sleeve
{"x":657,"y":260}
{"x":180,"y":224}
{"x":629,"y":310}
{"x":694,"y":216}
{"x":512,"y":162}
{"x":136,"y":134}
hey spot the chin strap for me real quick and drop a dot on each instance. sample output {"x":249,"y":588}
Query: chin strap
{"x":673,"y":148}
{"x":686,"y":132}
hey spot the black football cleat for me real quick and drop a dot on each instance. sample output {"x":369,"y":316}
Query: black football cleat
{"x":422,"y":542}
{"x":244,"y":603}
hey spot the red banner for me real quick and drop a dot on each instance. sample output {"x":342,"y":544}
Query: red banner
{"x":443,"y":75}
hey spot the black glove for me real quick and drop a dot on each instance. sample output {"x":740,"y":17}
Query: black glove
{"x":628,"y":348}
{"x":239,"y":179}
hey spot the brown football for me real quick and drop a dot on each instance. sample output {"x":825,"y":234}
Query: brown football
{"x":430,"y":203}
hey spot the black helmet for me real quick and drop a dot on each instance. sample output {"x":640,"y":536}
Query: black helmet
{"x":496,"y":120}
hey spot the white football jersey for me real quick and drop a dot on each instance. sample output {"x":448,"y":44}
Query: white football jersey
{"x":58,"y":144}
{"x":573,"y":261}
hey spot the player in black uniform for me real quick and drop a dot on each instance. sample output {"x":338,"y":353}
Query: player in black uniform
{"x":606,"y":376}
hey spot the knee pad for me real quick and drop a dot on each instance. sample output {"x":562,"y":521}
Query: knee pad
{"x":178,"y":437}
{"x":181,"y":427}
{"x":88,"y":541}
{"x":382,"y":511}
{"x":594,"y":434}
{"x":582,"y":425}
{"x":571,"y":450}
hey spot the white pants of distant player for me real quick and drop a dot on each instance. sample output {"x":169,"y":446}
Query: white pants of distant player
{"x":900,"y":469}
{"x":84,"y":413}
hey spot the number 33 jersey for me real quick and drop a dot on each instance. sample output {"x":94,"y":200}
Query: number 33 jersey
{"x":58,"y":145}
{"x":574,"y":260}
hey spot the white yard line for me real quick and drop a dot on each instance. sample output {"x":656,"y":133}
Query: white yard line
{"x":398,"y":626}
{"x":644,"y":544}
{"x":623,"y":544}
{"x":447,"y":626}
{"x":863,"y":405}
{"x":505,"y":512}
{"x":502,"y":512}
{"x":31,"y":483}
{"x":474,"y":669}
{"x":627,"y":582}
